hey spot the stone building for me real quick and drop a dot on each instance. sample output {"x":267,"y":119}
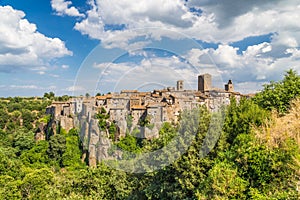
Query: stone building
{"x":229,"y":86}
{"x":180,"y":85}
{"x":158,"y":106}
{"x":204,"y":82}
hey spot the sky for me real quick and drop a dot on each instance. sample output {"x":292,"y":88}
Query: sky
{"x":77,"y":47}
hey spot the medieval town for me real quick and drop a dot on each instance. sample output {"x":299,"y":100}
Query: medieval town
{"x":158,"y":106}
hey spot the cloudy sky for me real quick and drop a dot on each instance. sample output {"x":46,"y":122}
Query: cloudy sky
{"x":74,"y":47}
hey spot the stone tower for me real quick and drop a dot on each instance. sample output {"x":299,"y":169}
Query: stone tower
{"x":180,"y":85}
{"x":204,"y":82}
{"x":229,"y":86}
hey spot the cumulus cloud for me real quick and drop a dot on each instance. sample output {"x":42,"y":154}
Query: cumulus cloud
{"x":172,"y":12}
{"x":217,"y":21}
{"x":153,"y":72}
{"x":227,"y":10}
{"x":29,"y":87}
{"x":22,"y":46}
{"x":62,"y":7}
{"x":65,"y":66}
{"x":250,"y":69}
{"x":132,"y":15}
{"x":255,"y":64}
{"x":75,"y":89}
{"x":24,"y":87}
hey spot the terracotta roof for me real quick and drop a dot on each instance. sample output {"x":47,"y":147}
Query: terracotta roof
{"x":138,"y":107}
{"x":119,"y":96}
{"x":144,"y":93}
{"x":129,"y":91}
{"x":155,"y":95}
{"x":107,"y":96}
{"x":101,"y":97}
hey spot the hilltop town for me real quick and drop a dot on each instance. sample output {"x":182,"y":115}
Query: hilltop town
{"x":131,"y":109}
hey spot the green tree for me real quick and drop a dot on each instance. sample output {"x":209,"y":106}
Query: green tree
{"x":37,"y":156}
{"x":277,"y":95}
{"x":28,"y":118}
{"x":10,"y":188}
{"x":241,"y":116}
{"x":4,"y":117}
{"x":225,"y":183}
{"x":23,"y":140}
{"x":72,"y":155}
{"x":57,"y":147}
{"x":37,"y":184}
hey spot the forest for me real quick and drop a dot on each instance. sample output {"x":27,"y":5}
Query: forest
{"x":257,"y":155}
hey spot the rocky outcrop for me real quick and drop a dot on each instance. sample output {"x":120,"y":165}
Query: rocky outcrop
{"x":139,"y":113}
{"x":94,"y":140}
{"x":40,"y":134}
{"x":98,"y":142}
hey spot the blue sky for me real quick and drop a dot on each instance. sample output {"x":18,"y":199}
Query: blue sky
{"x":74,"y":47}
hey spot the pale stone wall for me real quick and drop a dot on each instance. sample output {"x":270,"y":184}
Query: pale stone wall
{"x":160,"y":106}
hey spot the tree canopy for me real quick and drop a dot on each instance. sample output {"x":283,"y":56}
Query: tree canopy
{"x":256,"y":155}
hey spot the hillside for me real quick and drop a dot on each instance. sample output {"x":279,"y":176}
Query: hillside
{"x":257,"y":156}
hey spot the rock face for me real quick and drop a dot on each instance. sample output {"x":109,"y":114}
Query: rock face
{"x":98,"y":142}
{"x":78,"y":114}
{"x":131,"y":110}
{"x":41,"y":132}
{"x":94,"y":140}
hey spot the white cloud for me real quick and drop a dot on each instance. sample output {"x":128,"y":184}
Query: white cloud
{"x":134,"y":15}
{"x":24,"y":87}
{"x":155,"y":71}
{"x":63,"y":7}
{"x":75,"y":89}
{"x":220,"y":22}
{"x":22,"y":46}
{"x":65,"y":66}
{"x":171,"y":12}
{"x":256,"y":64}
{"x":41,"y":72}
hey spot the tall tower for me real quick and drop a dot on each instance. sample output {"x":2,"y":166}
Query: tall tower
{"x":180,"y":85}
{"x":204,"y":82}
{"x":229,"y":86}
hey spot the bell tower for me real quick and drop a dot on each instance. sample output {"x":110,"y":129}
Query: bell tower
{"x":180,"y":85}
{"x":229,"y":86}
{"x":204,"y":82}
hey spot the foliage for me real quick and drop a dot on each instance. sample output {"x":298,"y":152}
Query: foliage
{"x":129,"y":143}
{"x":35,"y":183}
{"x":166,"y":133}
{"x":57,"y":147}
{"x":112,"y":131}
{"x":102,"y":116}
{"x":278,"y":95}
{"x":23,"y":140}
{"x":129,"y":119}
{"x":257,"y":155}
{"x":49,"y":95}
{"x":72,"y":155}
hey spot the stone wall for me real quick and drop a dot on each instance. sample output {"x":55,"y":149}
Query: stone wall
{"x":158,"y":106}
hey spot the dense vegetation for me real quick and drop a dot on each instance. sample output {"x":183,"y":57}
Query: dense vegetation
{"x":256,"y":157}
